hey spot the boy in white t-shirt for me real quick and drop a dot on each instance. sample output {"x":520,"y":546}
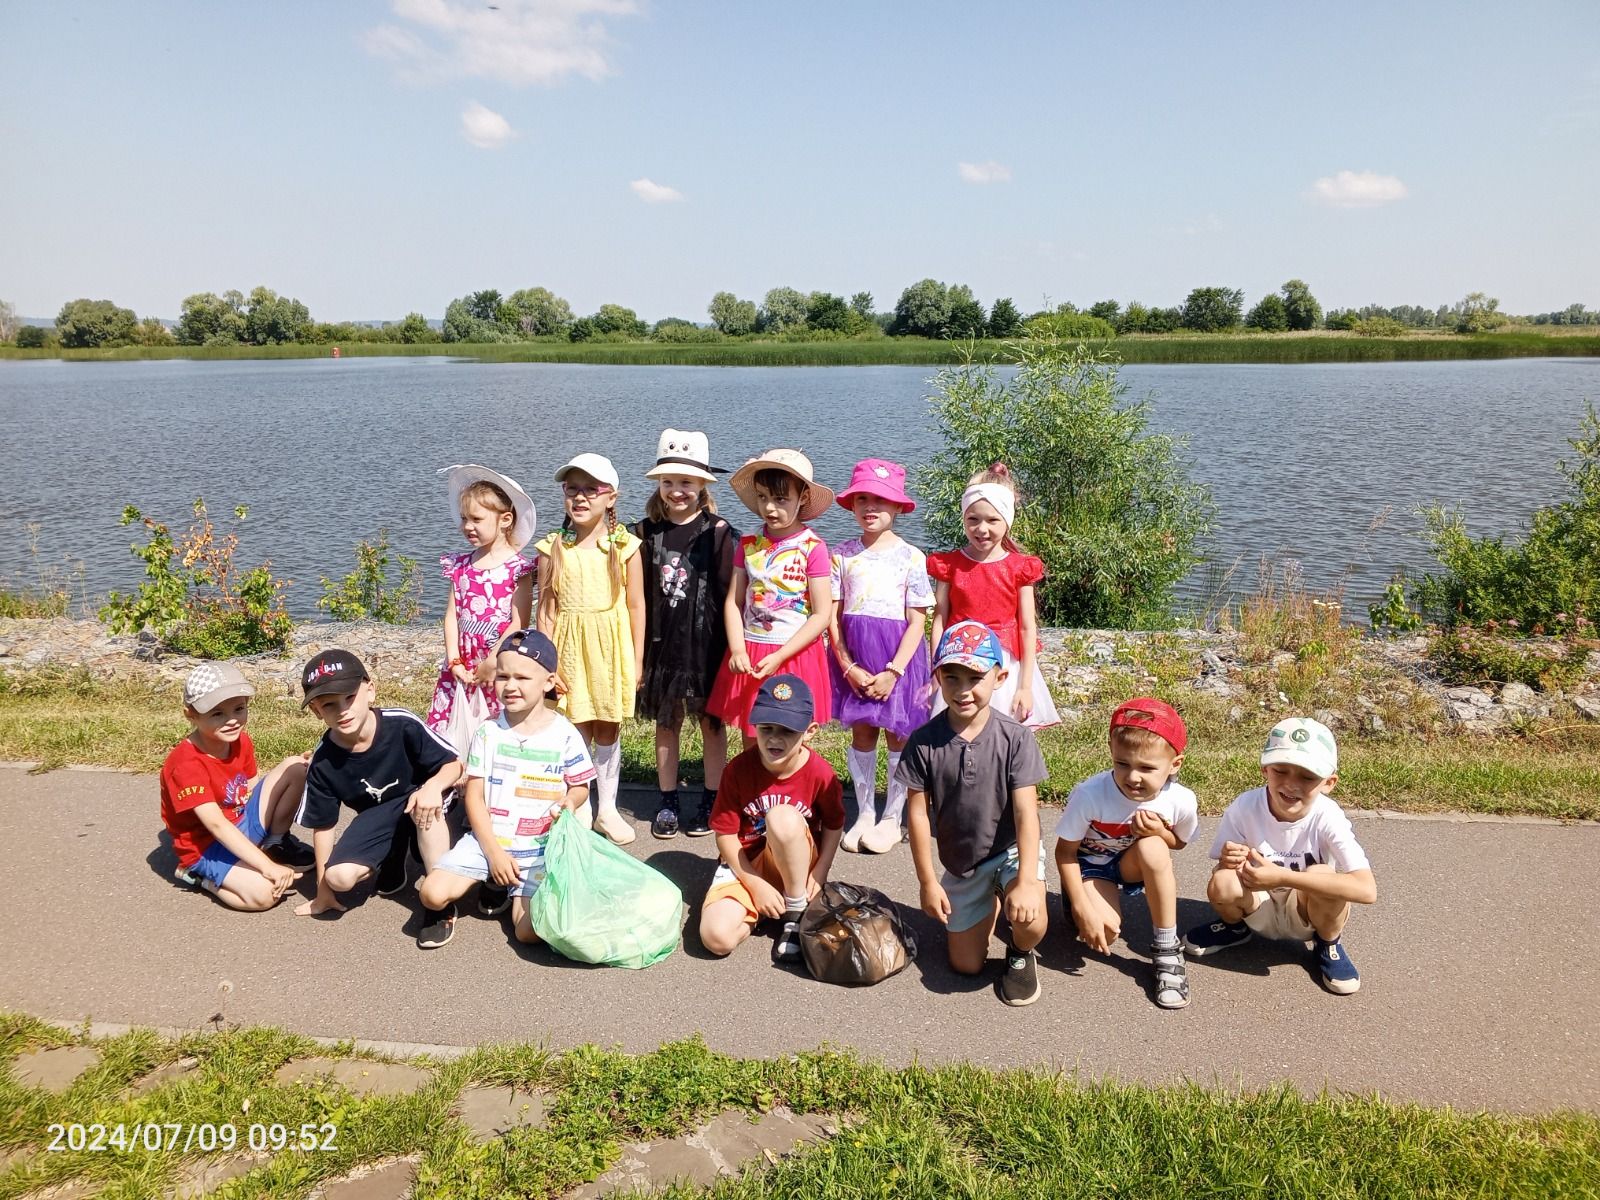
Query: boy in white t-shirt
{"x":1118,"y":833}
{"x":524,"y":767}
{"x":1288,"y":863}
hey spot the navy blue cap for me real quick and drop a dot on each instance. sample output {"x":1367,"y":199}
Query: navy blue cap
{"x":784,"y":700}
{"x":530,"y":643}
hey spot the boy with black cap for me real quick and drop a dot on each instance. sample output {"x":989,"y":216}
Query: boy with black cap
{"x":778,"y":818}
{"x":383,"y":763}
{"x":974,"y":776}
{"x":524,"y":768}
{"x":230,"y":828}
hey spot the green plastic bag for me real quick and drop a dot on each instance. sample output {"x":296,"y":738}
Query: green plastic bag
{"x":599,"y":904}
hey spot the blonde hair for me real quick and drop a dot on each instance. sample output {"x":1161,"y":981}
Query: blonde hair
{"x":1136,"y":738}
{"x":999,"y":474}
{"x":655,"y":508}
{"x":608,"y":544}
{"x":493,"y":497}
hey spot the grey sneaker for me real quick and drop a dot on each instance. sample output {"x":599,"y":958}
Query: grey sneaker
{"x":1172,"y":977}
{"x":1019,"y":986}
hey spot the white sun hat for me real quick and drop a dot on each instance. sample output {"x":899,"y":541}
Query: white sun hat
{"x":463,"y":475}
{"x":685,"y":452}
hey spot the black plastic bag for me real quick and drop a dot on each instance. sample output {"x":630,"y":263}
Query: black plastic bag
{"x":853,"y":935}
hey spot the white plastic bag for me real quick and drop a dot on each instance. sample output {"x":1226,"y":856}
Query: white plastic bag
{"x":468,"y":710}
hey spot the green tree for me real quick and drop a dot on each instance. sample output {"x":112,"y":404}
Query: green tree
{"x":923,"y":310}
{"x":1106,"y":504}
{"x":414,"y":328}
{"x":270,"y":318}
{"x":967,"y":319}
{"x":1301,"y":309}
{"x":484,"y":305}
{"x":861,"y":304}
{"x":32,"y":337}
{"x":1106,"y":310}
{"x":824,"y":310}
{"x":731,"y":315}
{"x":782,"y":308}
{"x":151,"y":332}
{"x":1067,"y":323}
{"x":1476,"y":313}
{"x":1342,"y":319}
{"x":534,"y":312}
{"x":461,"y":325}
{"x":1004,"y":319}
{"x":1269,"y":314}
{"x":86,"y":323}
{"x":1212,"y":309}
{"x":210,"y":319}
{"x":1134,"y":319}
{"x":614,"y":318}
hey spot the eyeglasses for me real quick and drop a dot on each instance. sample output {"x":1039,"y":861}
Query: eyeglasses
{"x":574,"y":490}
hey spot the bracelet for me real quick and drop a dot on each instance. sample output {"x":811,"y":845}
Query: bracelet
{"x":458,"y":661}
{"x":897,"y":672}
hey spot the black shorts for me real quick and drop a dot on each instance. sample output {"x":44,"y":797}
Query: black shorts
{"x":374,"y":833}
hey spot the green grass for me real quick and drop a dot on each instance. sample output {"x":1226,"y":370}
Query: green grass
{"x":1140,"y":348}
{"x":1551,"y":769}
{"x":956,"y":1131}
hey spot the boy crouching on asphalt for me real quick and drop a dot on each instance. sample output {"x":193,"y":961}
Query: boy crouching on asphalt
{"x":523,"y":769}
{"x":385,"y":765}
{"x":229,"y":828}
{"x":974,"y":773}
{"x":778,"y":818}
{"x":1118,"y":833}
{"x":1288,"y":863}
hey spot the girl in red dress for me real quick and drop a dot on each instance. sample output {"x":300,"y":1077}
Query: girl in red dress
{"x":991,"y":580}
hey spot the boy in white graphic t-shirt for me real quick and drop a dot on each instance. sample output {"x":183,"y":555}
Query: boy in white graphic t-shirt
{"x":1118,"y":833}
{"x":1288,"y":863}
{"x":524,"y":767}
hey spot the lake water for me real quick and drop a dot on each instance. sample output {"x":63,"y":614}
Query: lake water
{"x":1303,"y":461}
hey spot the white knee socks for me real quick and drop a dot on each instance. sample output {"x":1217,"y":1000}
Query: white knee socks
{"x":864,"y":775}
{"x":896,"y":803}
{"x":607,"y":777}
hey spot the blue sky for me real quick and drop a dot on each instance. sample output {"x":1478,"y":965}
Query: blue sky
{"x":375,"y":158}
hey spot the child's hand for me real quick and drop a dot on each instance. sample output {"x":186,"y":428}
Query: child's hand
{"x":280,"y":877}
{"x":1233,"y":855}
{"x":1148,"y":824}
{"x":936,"y":903}
{"x":767,"y":899}
{"x":425,"y":807}
{"x":484,"y":675}
{"x":739,"y":662}
{"x":1259,"y":875}
{"x":768,"y":666}
{"x":503,"y":869}
{"x":323,"y":901}
{"x":1022,"y":705}
{"x":1094,"y":933}
{"x":1024,"y":902}
{"x":879,"y":686}
{"x":461,"y":674}
{"x":559,"y":681}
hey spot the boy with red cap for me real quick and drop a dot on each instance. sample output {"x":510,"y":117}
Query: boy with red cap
{"x":1118,"y":833}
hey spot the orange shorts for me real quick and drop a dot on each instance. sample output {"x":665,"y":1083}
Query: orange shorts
{"x":725,"y":885}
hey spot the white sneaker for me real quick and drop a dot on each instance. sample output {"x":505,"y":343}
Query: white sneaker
{"x":614,"y":827}
{"x":851,"y":840}
{"x":881,"y":838}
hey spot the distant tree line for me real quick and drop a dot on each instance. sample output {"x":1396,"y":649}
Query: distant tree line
{"x":928,"y":308}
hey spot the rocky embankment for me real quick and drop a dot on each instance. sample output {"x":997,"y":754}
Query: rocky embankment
{"x":1381,"y":676}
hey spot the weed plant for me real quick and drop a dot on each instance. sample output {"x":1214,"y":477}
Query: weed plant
{"x":369,"y":594}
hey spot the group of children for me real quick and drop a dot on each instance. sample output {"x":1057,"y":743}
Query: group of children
{"x":682,"y":617}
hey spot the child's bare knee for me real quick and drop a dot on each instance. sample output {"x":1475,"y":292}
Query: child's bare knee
{"x":785,"y":821}
{"x":1154,"y":855}
{"x":1224,"y":887}
{"x":717,"y":940}
{"x":526,"y":935}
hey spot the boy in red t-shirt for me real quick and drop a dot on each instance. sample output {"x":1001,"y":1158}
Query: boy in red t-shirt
{"x":778,"y":818}
{"x":230,"y":830}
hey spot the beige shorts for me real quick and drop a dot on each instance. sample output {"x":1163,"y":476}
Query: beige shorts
{"x":1277,"y":915}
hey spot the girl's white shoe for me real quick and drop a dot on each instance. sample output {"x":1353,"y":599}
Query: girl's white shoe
{"x":614,"y":827}
{"x":881,"y":838}
{"x":864,"y":825}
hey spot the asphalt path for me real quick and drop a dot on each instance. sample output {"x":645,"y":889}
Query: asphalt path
{"x":1480,"y":978}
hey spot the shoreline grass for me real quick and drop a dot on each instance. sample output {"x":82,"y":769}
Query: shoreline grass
{"x":954,"y":1130}
{"x":62,"y":718}
{"x":1239,"y":348}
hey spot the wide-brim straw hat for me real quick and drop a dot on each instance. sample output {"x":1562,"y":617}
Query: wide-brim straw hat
{"x":743,"y":481}
{"x":463,"y":475}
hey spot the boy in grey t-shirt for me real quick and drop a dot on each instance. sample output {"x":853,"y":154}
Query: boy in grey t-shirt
{"x":975,"y":773}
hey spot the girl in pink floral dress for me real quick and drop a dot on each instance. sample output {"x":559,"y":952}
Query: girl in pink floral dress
{"x":491,"y":585}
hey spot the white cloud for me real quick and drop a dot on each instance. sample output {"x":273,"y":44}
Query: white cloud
{"x":652,"y":192}
{"x":519,"y":42}
{"x":984,"y":172}
{"x":485,"y":128}
{"x":1358,"y":189}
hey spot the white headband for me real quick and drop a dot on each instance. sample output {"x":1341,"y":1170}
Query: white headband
{"x":1001,"y":498}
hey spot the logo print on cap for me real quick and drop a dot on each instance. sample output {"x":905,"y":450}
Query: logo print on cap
{"x":881,"y":472}
{"x":323,"y":670}
{"x":1300,"y":735}
{"x":783,"y":692}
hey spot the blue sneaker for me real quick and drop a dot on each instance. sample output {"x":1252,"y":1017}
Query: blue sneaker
{"x":1219,"y":935}
{"x":1339,"y":974}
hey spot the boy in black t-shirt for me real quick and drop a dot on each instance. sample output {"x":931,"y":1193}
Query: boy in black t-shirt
{"x":973,"y":773}
{"x":383,"y":763}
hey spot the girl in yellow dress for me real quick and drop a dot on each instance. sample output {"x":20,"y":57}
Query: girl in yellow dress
{"x":591,"y":604}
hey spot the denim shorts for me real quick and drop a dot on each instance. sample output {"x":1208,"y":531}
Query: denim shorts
{"x":1111,"y":872}
{"x":972,"y":897}
{"x":467,"y":858}
{"x":212,"y":867}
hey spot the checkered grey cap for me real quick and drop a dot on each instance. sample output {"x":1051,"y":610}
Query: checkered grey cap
{"x":210,"y":684}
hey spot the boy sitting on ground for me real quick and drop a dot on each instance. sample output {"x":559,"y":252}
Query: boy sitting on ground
{"x":523,"y":769}
{"x":1118,"y":833}
{"x":229,"y":828}
{"x":778,"y":818}
{"x":385,"y":765}
{"x":975,"y":773}
{"x":1288,"y":863}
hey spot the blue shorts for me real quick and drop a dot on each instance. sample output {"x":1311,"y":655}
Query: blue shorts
{"x":467,"y":858}
{"x":1111,"y":872}
{"x":972,"y":897}
{"x":213,"y":866}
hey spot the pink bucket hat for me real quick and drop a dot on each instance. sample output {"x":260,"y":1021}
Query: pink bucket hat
{"x":877,"y":477}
